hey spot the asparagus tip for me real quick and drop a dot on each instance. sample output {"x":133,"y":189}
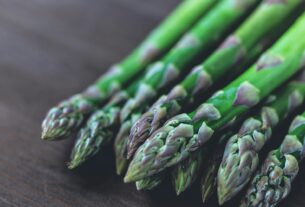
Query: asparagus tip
{"x":71,"y":165}
{"x":74,"y":163}
{"x":134,"y":174}
{"x":120,"y":166}
{"x":131,"y":176}
{"x":58,"y":123}
{"x":45,"y":135}
{"x":206,"y":194}
{"x":178,"y":191}
{"x":52,"y":134}
{"x":139,"y":187}
{"x":139,"y":133}
{"x":179,"y":186}
{"x":204,"y":198}
{"x":127,"y":179}
{"x":223,"y":195}
{"x":118,"y":171}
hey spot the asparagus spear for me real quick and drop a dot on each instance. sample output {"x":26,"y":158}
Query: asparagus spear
{"x":200,"y":37}
{"x":209,"y":177}
{"x":208,"y":180}
{"x":150,"y":182}
{"x":273,"y":182}
{"x":108,"y":118}
{"x":240,"y":158}
{"x":186,"y":173}
{"x":231,"y":53}
{"x":68,"y":115}
{"x":186,"y":133}
{"x":119,"y":148}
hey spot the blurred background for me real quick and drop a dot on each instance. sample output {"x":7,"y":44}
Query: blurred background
{"x":50,"y":49}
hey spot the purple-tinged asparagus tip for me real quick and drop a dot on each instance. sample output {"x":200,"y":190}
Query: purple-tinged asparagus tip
{"x":139,"y":133}
{"x":80,"y":152}
{"x":97,"y":133}
{"x":60,"y":122}
{"x":66,"y":118}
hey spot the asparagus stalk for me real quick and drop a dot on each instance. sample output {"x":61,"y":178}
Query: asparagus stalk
{"x":231,"y":53}
{"x":186,"y":133}
{"x":200,"y":37}
{"x":240,"y":158}
{"x":68,"y":115}
{"x":273,"y":182}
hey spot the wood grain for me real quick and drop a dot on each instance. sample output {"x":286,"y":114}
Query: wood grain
{"x":49,"y":50}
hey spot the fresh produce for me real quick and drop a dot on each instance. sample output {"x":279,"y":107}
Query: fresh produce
{"x":273,"y":182}
{"x":160,"y":75}
{"x":68,"y":115}
{"x":232,"y":52}
{"x":200,"y":96}
{"x":241,"y":158}
{"x":186,"y":133}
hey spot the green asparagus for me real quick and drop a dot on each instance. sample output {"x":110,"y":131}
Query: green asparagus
{"x":68,"y":115}
{"x":200,"y":37}
{"x":186,"y":173}
{"x":240,"y":158}
{"x":209,"y":182}
{"x":119,"y":148}
{"x":209,"y":177}
{"x":108,"y":118}
{"x":186,"y":133}
{"x":189,"y":169}
{"x":150,"y":182}
{"x":232,"y":52}
{"x":273,"y":182}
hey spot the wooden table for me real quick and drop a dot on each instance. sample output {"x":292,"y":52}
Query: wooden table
{"x":50,"y":49}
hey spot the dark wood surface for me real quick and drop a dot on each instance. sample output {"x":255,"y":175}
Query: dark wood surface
{"x":50,"y":49}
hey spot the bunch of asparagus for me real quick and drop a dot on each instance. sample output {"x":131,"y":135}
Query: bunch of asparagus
{"x":167,"y":115}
